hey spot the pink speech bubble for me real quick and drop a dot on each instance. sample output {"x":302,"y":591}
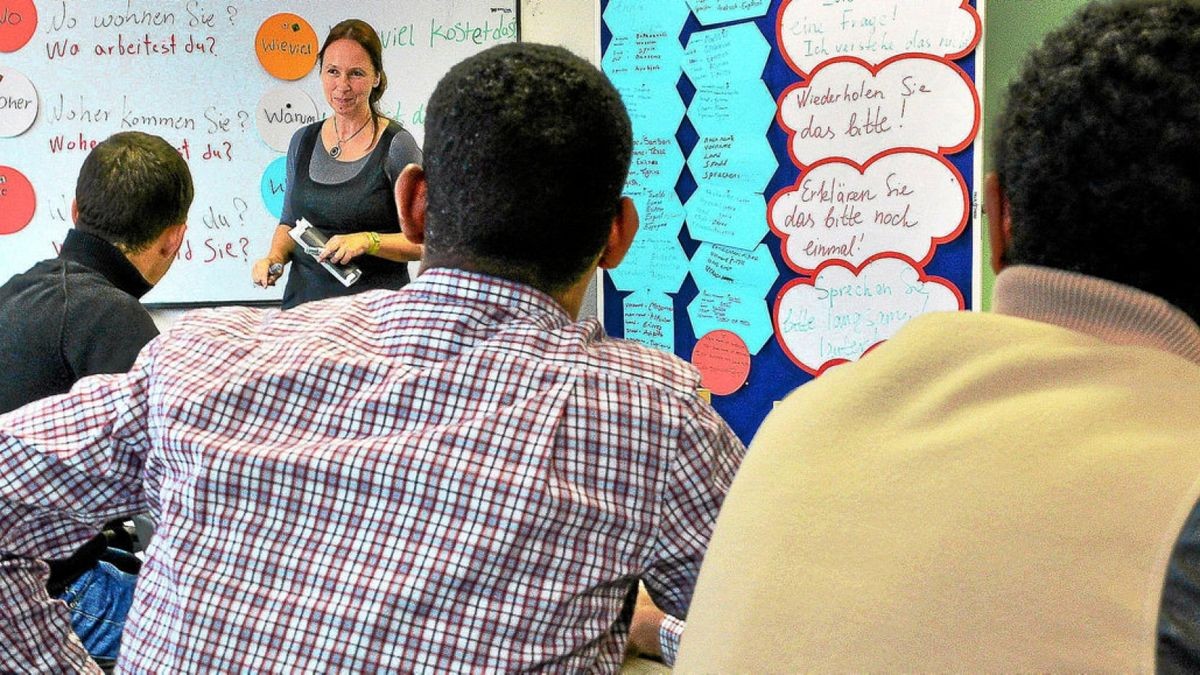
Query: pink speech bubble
{"x":853,"y":110}
{"x":841,"y":312}
{"x":904,"y":201}
{"x":874,"y":30}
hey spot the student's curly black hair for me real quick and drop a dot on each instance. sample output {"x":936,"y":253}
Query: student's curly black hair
{"x":1099,"y":148}
{"x":131,"y":187}
{"x":526,"y":152}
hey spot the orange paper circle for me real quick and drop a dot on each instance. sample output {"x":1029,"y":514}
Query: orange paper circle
{"x":17,"y":200}
{"x":286,"y":46}
{"x":723,"y":361}
{"x":18,"y":19}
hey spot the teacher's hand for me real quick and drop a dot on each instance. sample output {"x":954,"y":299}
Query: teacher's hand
{"x":266,"y":272}
{"x":342,"y":248}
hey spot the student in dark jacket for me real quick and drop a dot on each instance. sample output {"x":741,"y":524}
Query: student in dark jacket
{"x":79,"y":314}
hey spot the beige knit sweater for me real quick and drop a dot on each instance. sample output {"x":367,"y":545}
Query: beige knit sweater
{"x":984,"y":492}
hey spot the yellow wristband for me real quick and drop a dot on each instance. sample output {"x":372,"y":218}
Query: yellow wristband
{"x":373,"y":246}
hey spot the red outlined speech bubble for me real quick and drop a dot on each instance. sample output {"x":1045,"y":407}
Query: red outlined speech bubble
{"x":875,"y":30}
{"x":842,"y":311}
{"x":904,"y":201}
{"x":854,"y":110}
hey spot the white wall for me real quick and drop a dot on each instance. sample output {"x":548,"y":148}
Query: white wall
{"x":574,"y":24}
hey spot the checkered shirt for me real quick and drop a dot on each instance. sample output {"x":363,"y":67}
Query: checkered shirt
{"x":452,"y":477}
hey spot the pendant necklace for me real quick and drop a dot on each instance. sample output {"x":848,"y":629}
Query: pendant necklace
{"x":337,"y":147}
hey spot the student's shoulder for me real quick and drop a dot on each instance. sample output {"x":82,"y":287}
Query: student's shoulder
{"x":224,"y":322}
{"x":260,"y":325}
{"x":637,"y":363}
{"x":88,"y":290}
{"x":41,"y":278}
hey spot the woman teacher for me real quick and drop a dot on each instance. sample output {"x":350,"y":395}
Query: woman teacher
{"x":340,"y":178}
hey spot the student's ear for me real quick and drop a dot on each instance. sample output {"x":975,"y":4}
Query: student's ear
{"x":999,"y":215}
{"x":74,"y":211}
{"x":410,"y":202}
{"x":620,"y":234}
{"x":172,"y":239}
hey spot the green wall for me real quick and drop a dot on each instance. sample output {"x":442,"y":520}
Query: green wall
{"x":1011,"y":28}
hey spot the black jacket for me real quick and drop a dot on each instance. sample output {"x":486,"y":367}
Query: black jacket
{"x":68,"y":317}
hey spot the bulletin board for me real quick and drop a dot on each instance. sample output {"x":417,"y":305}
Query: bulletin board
{"x":225,"y":81}
{"x":806,"y":174}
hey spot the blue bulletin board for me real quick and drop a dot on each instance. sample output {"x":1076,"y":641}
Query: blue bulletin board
{"x":805,"y":171}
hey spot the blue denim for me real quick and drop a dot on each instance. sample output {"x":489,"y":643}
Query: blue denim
{"x":99,"y":601}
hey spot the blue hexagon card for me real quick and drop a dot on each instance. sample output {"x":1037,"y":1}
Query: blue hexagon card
{"x":719,"y":215}
{"x":733,"y":160}
{"x":714,"y":58}
{"x":746,"y":316}
{"x":654,"y":109}
{"x":660,"y":213}
{"x":629,"y":16}
{"x":743,"y":108}
{"x":650,"y":57}
{"x":724,"y":269}
{"x":651,"y":265}
{"x":711,"y":12}
{"x":656,"y":165}
{"x":649,"y":318}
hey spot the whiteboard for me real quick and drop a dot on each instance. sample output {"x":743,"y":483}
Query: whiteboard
{"x":187,"y":70}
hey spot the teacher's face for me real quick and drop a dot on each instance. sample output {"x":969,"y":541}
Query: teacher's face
{"x":348,"y":78}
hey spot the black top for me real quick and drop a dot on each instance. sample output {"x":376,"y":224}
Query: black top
{"x":363,"y":203}
{"x":68,"y":317}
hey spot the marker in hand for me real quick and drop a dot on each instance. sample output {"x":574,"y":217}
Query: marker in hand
{"x":274,"y":271}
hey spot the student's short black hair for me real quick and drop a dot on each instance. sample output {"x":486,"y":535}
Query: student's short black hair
{"x":1099,"y":148}
{"x":132,"y":187}
{"x":526,"y":151}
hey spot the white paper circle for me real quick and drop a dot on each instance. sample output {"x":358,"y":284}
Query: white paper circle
{"x":18,"y":103}
{"x":281,"y":111}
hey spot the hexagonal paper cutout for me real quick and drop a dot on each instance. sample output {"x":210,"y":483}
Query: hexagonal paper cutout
{"x":656,"y":165}
{"x":732,"y":160}
{"x":649,"y":318}
{"x":744,"y":108}
{"x":660,"y":213}
{"x":724,"y":269}
{"x":628,"y":16}
{"x":735,"y":218}
{"x":647,"y":57}
{"x":656,"y":110}
{"x":736,"y":312}
{"x":651,"y":265}
{"x":714,"y":58}
{"x":711,"y":12}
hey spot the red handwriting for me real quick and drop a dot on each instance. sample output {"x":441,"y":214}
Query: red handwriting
{"x":225,"y":250}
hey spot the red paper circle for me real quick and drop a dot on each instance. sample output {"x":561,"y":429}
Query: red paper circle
{"x":17,"y":200}
{"x":723,"y":361}
{"x":18,"y":20}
